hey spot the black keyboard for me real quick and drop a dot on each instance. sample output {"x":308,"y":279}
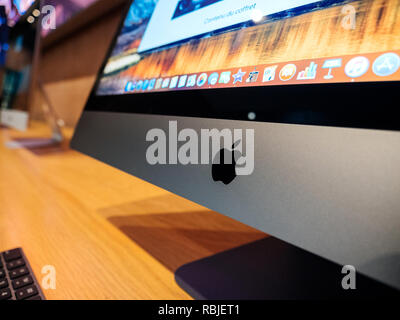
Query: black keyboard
{"x":17,"y":281}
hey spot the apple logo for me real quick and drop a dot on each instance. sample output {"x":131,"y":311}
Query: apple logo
{"x":225,"y":172}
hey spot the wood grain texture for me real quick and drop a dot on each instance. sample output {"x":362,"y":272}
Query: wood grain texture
{"x":109,"y":235}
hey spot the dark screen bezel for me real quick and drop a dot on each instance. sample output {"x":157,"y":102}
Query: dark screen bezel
{"x":368,"y":105}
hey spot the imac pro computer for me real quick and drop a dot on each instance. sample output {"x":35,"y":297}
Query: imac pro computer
{"x":302,"y":96}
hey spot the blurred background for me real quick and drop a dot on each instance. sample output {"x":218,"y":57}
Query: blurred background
{"x":64,"y":61}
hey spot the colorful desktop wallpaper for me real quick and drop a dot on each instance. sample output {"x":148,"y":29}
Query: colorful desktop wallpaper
{"x":65,"y":9}
{"x":306,"y":39}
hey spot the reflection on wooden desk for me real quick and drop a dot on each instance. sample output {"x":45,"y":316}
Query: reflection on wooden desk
{"x":109,"y":235}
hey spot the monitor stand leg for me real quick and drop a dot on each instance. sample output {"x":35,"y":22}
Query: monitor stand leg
{"x":272,"y":269}
{"x":54,"y":122}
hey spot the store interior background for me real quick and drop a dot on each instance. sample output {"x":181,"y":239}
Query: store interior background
{"x":70,"y":57}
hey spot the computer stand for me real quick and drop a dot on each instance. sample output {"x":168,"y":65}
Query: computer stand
{"x":53,"y":121}
{"x":271,"y":269}
{"x":51,"y":115}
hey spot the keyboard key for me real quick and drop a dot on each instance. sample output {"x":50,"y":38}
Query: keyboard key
{"x":16,"y":279}
{"x":12,"y":255}
{"x":15,"y":264}
{"x":19,"y":273}
{"x":22,"y":282}
{"x":26,"y":292}
{"x":3,"y":283}
{"x":5,"y":294}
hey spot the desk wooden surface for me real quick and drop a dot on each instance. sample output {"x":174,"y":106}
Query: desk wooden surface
{"x":109,"y":235}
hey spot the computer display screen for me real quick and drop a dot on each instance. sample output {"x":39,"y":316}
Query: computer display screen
{"x":15,"y":9}
{"x":23,"y":5}
{"x":168,"y":45}
{"x":17,"y":77}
